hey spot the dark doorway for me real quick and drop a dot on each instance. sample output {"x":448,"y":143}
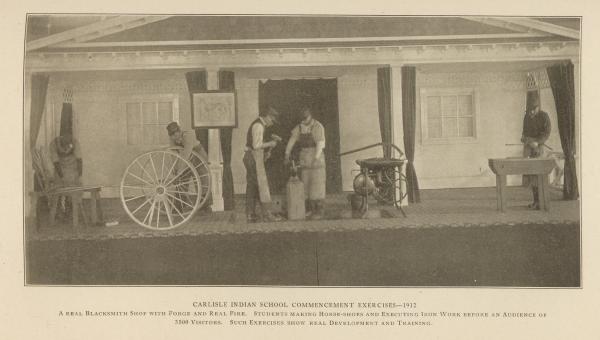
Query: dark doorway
{"x":288,"y":96}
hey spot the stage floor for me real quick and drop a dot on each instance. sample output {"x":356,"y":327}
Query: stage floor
{"x":473,"y":207}
{"x":453,"y":238}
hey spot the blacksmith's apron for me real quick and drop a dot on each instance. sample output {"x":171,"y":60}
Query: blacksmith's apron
{"x":313,"y":172}
{"x":529,"y":152}
{"x":261,"y":175}
{"x":70,"y":172}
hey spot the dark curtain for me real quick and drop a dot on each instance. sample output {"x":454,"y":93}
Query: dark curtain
{"x":39,"y":87}
{"x":384,"y":97}
{"x":196,"y":82}
{"x":288,"y":96}
{"x":66,"y":119}
{"x":409,"y":120}
{"x":227,"y":83}
{"x":562,"y":82}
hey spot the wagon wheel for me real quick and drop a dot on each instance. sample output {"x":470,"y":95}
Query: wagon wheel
{"x":389,"y":189}
{"x":160,"y":190}
{"x":201,"y":165}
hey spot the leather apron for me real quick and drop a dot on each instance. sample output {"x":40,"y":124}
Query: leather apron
{"x":313,"y":172}
{"x":68,"y":165}
{"x":529,"y":152}
{"x":261,"y":175}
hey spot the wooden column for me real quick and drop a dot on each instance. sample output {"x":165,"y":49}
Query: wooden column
{"x":397,"y":128}
{"x":30,"y":208}
{"x":215,"y":158}
{"x":576,"y":80}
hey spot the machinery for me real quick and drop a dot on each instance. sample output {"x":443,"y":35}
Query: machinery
{"x":379,"y":177}
{"x":161,"y":190}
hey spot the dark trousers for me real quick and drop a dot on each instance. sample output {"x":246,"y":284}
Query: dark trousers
{"x":252,"y":193}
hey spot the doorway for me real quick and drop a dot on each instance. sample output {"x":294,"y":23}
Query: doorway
{"x":288,"y":96}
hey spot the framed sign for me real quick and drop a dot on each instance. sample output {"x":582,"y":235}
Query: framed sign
{"x":214,"y":109}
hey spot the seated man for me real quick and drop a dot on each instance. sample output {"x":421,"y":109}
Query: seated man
{"x":65,"y":155}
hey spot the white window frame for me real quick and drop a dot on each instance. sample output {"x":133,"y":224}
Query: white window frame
{"x":149,"y":98}
{"x":424,"y":93}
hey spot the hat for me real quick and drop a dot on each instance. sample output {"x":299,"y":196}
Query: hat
{"x":270,"y":111}
{"x":172,"y":128}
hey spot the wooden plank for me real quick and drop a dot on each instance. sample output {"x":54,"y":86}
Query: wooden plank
{"x":544,"y":27}
{"x":298,"y":40}
{"x":95,"y":30}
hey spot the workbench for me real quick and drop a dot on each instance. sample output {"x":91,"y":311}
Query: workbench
{"x":540,"y":167}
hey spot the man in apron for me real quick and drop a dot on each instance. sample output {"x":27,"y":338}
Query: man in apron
{"x":309,"y":135}
{"x":257,"y":152}
{"x":536,"y":130}
{"x":65,"y":155}
{"x":188,"y":141}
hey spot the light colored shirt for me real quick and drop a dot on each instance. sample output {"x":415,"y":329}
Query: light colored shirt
{"x":189,"y":143}
{"x":315,"y":128}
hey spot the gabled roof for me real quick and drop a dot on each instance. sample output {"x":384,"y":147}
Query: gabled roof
{"x":114,"y":33}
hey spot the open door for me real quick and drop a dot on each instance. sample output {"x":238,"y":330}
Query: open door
{"x":288,"y":96}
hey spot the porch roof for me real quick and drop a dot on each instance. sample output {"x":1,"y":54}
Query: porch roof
{"x":118,"y":33}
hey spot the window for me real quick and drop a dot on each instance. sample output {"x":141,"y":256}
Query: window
{"x":148,"y":116}
{"x":448,"y":115}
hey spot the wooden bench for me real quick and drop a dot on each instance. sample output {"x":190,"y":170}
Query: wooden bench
{"x":76,"y":196}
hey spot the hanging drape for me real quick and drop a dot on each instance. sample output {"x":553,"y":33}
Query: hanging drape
{"x":563,"y":88}
{"x":384,"y":97}
{"x":196,"y":82}
{"x":66,"y":119}
{"x":39,"y":87}
{"x":227,"y":83}
{"x":409,"y":120}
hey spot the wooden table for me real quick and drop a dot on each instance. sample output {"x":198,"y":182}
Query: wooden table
{"x":540,"y":167}
{"x":76,"y":195}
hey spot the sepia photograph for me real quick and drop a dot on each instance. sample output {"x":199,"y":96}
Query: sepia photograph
{"x":302,"y":150}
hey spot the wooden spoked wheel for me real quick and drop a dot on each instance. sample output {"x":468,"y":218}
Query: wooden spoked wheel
{"x":161,"y":190}
{"x":200,"y":164}
{"x":390,"y":182}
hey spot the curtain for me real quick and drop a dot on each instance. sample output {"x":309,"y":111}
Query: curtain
{"x":563,"y":88}
{"x":39,"y":87}
{"x":384,"y":97}
{"x":227,"y":83}
{"x":409,"y":120}
{"x":66,"y":119}
{"x":196,"y":82}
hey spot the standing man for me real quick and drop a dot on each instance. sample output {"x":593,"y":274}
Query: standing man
{"x":258,"y":148}
{"x":310,"y":136}
{"x":536,"y":130}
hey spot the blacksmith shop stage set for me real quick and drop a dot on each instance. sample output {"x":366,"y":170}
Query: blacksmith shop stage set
{"x":157,"y":127}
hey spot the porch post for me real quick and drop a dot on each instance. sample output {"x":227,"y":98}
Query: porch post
{"x":576,"y":79}
{"x":29,"y":208}
{"x":215,"y":158}
{"x":397,"y":129}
